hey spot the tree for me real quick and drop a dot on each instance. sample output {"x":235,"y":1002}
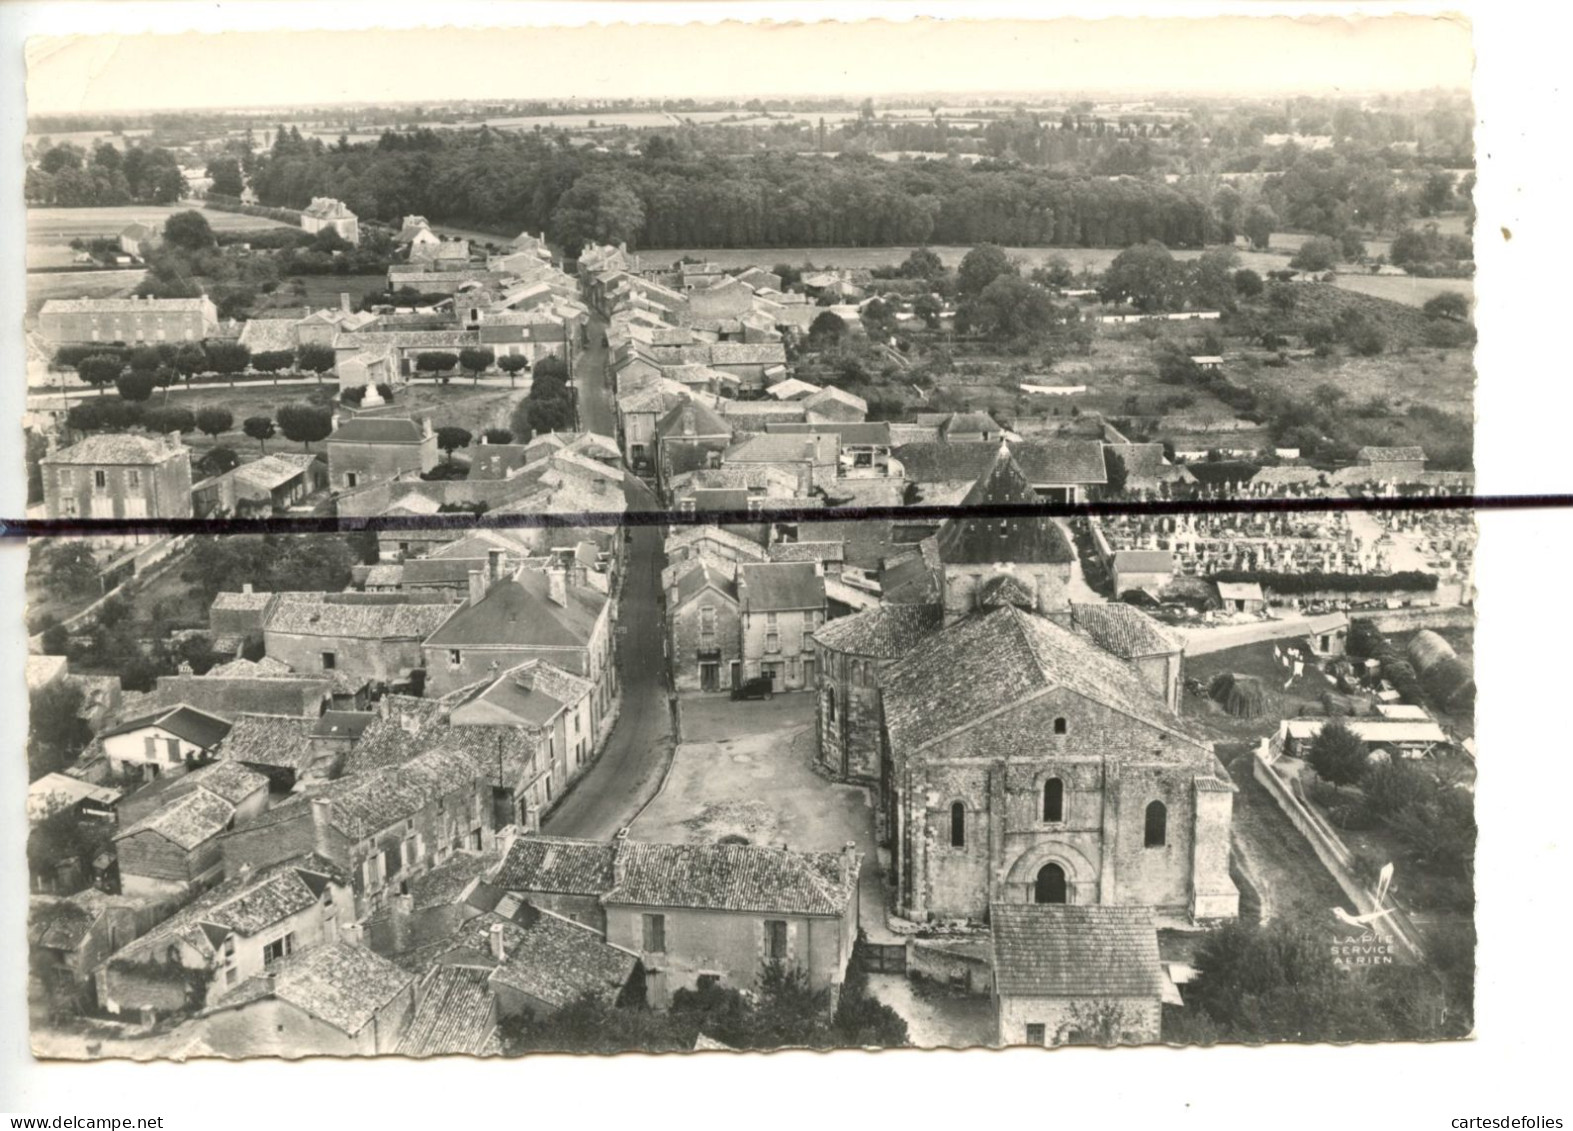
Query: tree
{"x":436,"y":362}
{"x":826,"y":331}
{"x":1337,"y":754}
{"x":1449,"y":304}
{"x":189,"y":231}
{"x":1146,"y":276}
{"x":217,"y":461}
{"x":1115,"y":473}
{"x":513,"y":364}
{"x":1247,"y":283}
{"x":1260,"y":221}
{"x":477,"y":360}
{"x":498,"y":436}
{"x":261,"y":429}
{"x":191,"y":360}
{"x":1317,"y":254}
{"x":921,"y":264}
{"x":165,"y":419}
{"x":214,"y":420}
{"x":980,"y":267}
{"x":135,"y":387}
{"x":164,"y":377}
{"x":928,"y":308}
{"x":1007,"y":309}
{"x":100,"y":370}
{"x":598,"y":208}
{"x":305,"y":423}
{"x":56,"y":732}
{"x":1351,"y":246}
{"x":70,"y":568}
{"x":450,"y":439}
{"x":145,"y":359}
{"x":272,"y":362}
{"x":228,"y":358}
{"x":313,"y":357}
{"x":549,"y":415}
{"x":552,"y":368}
{"x":227,"y":179}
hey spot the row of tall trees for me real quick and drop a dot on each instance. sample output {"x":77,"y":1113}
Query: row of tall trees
{"x":68,"y":176}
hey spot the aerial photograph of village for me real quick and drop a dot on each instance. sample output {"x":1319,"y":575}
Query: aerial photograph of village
{"x":604,"y":718}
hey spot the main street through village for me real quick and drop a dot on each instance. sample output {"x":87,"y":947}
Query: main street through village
{"x":629,"y":771}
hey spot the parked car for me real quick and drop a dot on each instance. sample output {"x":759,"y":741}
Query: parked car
{"x":760,"y":687}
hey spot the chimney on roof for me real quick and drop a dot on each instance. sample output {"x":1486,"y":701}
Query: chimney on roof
{"x":344,"y":302}
{"x":352,"y":933}
{"x":321,"y":815}
{"x":409,"y":723}
{"x":532,"y":817}
{"x":619,"y":865}
{"x":557,"y":586}
{"x":245,"y":587}
{"x":499,"y":952}
{"x":426,"y":426}
{"x":494,"y":564}
{"x":338,"y":419}
{"x":477,"y":586}
{"x":382,"y":707}
{"x":849,"y":852}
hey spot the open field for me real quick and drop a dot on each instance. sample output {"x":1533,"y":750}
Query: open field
{"x":319,"y":291}
{"x":1442,"y":379}
{"x":1408,"y":290}
{"x":80,"y":284}
{"x":62,"y":225}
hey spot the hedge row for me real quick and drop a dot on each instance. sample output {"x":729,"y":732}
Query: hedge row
{"x":1315,"y":581}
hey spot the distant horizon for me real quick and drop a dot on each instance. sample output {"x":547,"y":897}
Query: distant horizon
{"x":1224,"y":56}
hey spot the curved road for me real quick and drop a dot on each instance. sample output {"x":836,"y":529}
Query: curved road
{"x":630,"y":769}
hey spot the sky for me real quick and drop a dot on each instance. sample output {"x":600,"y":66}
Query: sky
{"x":732,"y":59}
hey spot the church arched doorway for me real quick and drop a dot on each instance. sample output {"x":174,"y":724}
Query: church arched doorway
{"x":1050,"y":885}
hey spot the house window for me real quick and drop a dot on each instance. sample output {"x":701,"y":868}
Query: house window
{"x":830,"y":704}
{"x":707,"y":620}
{"x":1060,"y":725}
{"x":1037,"y":1034}
{"x":134,"y":479}
{"x":654,"y":934}
{"x":279,"y":948}
{"x":1157,"y":831}
{"x":329,"y":661}
{"x":1054,"y":800}
{"x":1050,"y":886}
{"x":708,"y":982}
{"x":231,"y":976}
{"x":772,"y":633}
{"x":775,"y":940}
{"x":229,"y":948}
{"x":65,"y":479}
{"x":958,"y":825}
{"x":351,"y":479}
{"x":68,"y":508}
{"x":100,"y":479}
{"x":455,"y":658}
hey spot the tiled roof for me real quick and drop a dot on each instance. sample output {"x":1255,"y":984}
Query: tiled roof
{"x":319,"y":614}
{"x":533,"y":693}
{"x":982,"y":663}
{"x":1122,"y":630}
{"x":61,"y":924}
{"x":1048,"y":462}
{"x":775,"y":447}
{"x":556,"y":865}
{"x":271,"y":740}
{"x":455,"y":1014}
{"x":187,"y":821}
{"x":241,"y":602}
{"x":558,"y":961}
{"x":735,"y":877}
{"x":876,"y":433}
{"x":227,"y":779}
{"x":122,"y":305}
{"x":747,"y":353}
{"x":696,"y":536}
{"x":1390,"y":455}
{"x":1146,"y":463}
{"x":764,"y":587}
{"x":696,"y":576}
{"x":196,"y":727}
{"x":691,"y":418}
{"x":807,"y":551}
{"x":887,"y":632}
{"x":342,"y":724}
{"x":1284,"y":476}
{"x":518,"y":612}
{"x":1060,"y":950}
{"x":339,"y":984}
{"x":1143,"y":561}
{"x":841,"y":396}
{"x":378,"y":430}
{"x":368,"y":803}
{"x":267,"y":473}
{"x":980,"y":540}
{"x":792,"y":388}
{"x":1005,"y":589}
{"x":261,"y":335}
{"x":136,"y":448}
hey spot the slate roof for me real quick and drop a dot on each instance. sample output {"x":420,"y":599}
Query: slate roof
{"x":517,"y":612}
{"x":316,"y":614}
{"x":887,"y":632}
{"x":691,"y":418}
{"x":686,"y":536}
{"x":702,"y":575}
{"x":1060,"y":950}
{"x":765,"y":587}
{"x":1046,"y":462}
{"x":134,"y":448}
{"x":556,"y":865}
{"x":980,"y":540}
{"x":378,"y":430}
{"x":734,"y":877}
{"x":983,"y":663}
{"x":55,"y":791}
{"x":197,"y":727}
{"x":1123,"y":630}
{"x":852,"y":432}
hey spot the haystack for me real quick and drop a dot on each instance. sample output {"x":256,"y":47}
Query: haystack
{"x":1239,"y":695}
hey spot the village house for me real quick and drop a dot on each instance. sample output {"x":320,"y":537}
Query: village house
{"x":235,"y":619}
{"x":716,"y":914}
{"x":262,"y":488}
{"x":533,"y":614}
{"x":1391,"y":465}
{"x":833,"y":404}
{"x":1241,"y":597}
{"x":1026,"y":764}
{"x":131,"y":320}
{"x":168,"y":844}
{"x":137,"y":239}
{"x":813,"y":459}
{"x":166,"y":741}
{"x":362,"y":638}
{"x":690,"y":543}
{"x":69,"y":937}
{"x":1148,"y":571}
{"x":119,"y":475}
{"x":557,"y":874}
{"x":337,"y":999}
{"x":690,"y":436}
{"x":370,"y":449}
{"x":1075,"y":975}
{"x":850,"y":651}
{"x":326,"y":213}
{"x":704,"y":627}
{"x":1131,"y":635}
{"x":283,"y":748}
{"x":1328,"y":634}
{"x":781,"y":604}
{"x":1058,"y":471}
{"x":239,"y":930}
